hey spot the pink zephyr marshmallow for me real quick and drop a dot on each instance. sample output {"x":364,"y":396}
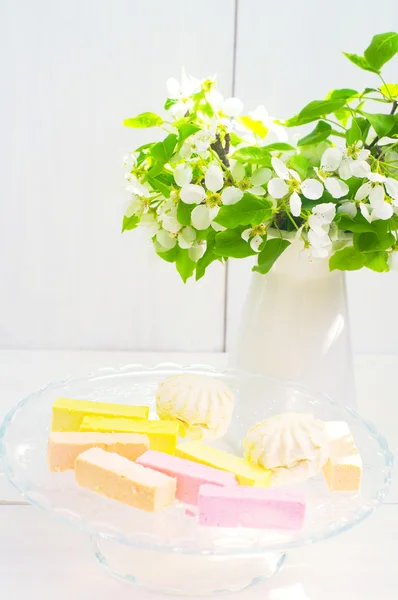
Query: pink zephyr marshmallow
{"x":243,"y":506}
{"x":190,"y":475}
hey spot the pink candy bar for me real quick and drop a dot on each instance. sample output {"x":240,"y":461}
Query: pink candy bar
{"x":190,"y":475}
{"x":243,"y":506}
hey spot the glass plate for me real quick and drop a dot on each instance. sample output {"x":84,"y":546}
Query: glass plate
{"x":25,"y":432}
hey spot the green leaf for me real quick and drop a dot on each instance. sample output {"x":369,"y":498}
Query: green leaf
{"x":163,"y":151}
{"x":299,"y":163}
{"x":145,"y":119}
{"x":156,"y":169}
{"x":371,"y":241}
{"x":381,"y":49}
{"x":230,"y":244}
{"x":320,"y":133}
{"x":158,"y":186}
{"x":319,"y":108}
{"x":272,"y":250}
{"x":185,"y":266}
{"x":342,"y":93}
{"x":377,"y":261}
{"x":278,"y":146}
{"x":169,"y":255}
{"x":169,"y":103}
{"x":348,"y":259}
{"x":185,"y":131}
{"x":250,"y":210}
{"x":257,"y":127}
{"x":360,"y":62}
{"x":364,"y":125}
{"x":382,"y":124}
{"x":130,"y":223}
{"x":184,"y":213}
{"x":357,"y":225}
{"x":235,"y":139}
{"x":253,"y":155}
{"x":390,"y":90}
{"x":342,"y":115}
{"x":354,"y":133}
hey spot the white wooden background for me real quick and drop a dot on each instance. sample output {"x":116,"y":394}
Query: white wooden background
{"x":70,"y":72}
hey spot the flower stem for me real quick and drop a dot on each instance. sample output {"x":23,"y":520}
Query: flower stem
{"x":221,"y":150}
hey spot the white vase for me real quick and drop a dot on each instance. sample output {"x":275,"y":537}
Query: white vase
{"x":295,"y":326}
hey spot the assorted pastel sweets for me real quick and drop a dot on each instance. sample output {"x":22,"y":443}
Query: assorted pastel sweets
{"x":343,"y":470}
{"x":202,"y":405}
{"x":162,"y":434}
{"x":245,"y":472}
{"x":121,"y":479}
{"x":241,"y":506}
{"x":65,"y":446}
{"x":68,"y":414}
{"x":117,"y":451}
{"x":190,"y":476}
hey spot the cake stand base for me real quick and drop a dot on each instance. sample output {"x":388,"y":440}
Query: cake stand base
{"x":184,"y":574}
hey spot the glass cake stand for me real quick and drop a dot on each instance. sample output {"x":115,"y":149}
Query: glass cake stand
{"x":169,"y":551}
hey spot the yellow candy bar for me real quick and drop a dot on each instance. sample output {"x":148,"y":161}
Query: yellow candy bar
{"x":162,"y":434}
{"x":68,"y":414}
{"x":245,"y":472}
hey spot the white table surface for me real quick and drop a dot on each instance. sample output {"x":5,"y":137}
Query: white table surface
{"x":40,"y":559}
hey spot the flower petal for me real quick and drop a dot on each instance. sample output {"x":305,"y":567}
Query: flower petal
{"x":200,"y":217}
{"x":336,"y":187}
{"x":327,"y":211}
{"x":257,"y":190}
{"x":347,"y":208}
{"x":383,"y":211}
{"x":376,"y":177}
{"x":318,"y":225}
{"x":280,"y":168}
{"x":237,"y":170}
{"x":312,"y":189}
{"x":192,"y":193}
{"x":318,"y":241}
{"x":165,"y":240}
{"x":173,"y":88}
{"x":197,"y":251}
{"x":256,"y":242}
{"x":363,"y":154}
{"x":392,"y":187}
{"x":217,"y":226}
{"x":188,"y":234}
{"x":261,"y":176}
{"x":331,"y":159}
{"x":345,"y":168}
{"x":231,"y":195}
{"x":295,"y":204}
{"x":376,"y":195}
{"x":232,"y":107}
{"x":360,"y":168}
{"x":182,"y":175}
{"x":214,"y":179}
{"x":245,"y":235}
{"x":365,"y":212}
{"x":171,"y":224}
{"x":364,"y":191}
{"x":278,"y":188}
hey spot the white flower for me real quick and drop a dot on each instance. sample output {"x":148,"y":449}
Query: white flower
{"x":275,"y":132}
{"x":137,"y":188}
{"x":254,"y":236}
{"x":191,"y":193}
{"x":181,"y":92}
{"x":170,"y":222}
{"x":199,"y":143}
{"x":186,"y":237}
{"x":351,"y":162}
{"x":321,"y":217}
{"x":321,"y":245}
{"x":130,"y":161}
{"x":289,"y":183}
{"x":335,"y":186}
{"x":254,"y":183}
{"x":376,"y":189}
{"x":197,"y":250}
